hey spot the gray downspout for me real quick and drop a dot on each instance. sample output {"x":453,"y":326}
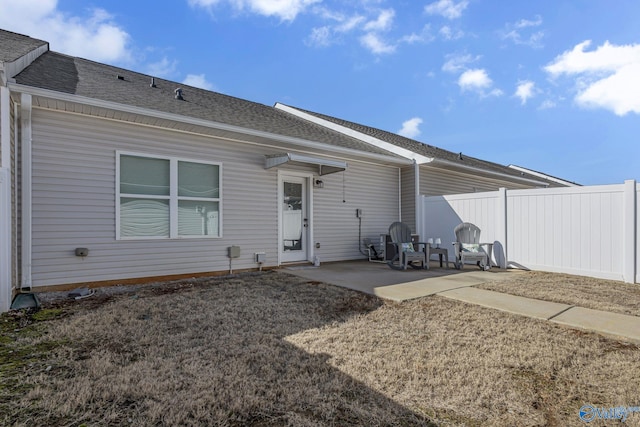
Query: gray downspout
{"x":27,"y":173}
{"x":418,"y":207}
{"x":6,"y":287}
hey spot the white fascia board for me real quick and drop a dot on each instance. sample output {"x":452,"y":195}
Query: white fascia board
{"x":403,"y":152}
{"x":65,"y":97}
{"x":545,"y":176}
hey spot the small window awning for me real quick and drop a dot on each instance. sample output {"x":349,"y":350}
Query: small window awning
{"x":325,"y":167}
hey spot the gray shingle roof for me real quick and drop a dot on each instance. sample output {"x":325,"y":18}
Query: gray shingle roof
{"x":418,"y":147}
{"x":62,"y":73}
{"x":14,"y":46}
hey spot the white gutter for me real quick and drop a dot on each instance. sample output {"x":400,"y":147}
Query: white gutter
{"x":6,"y":287}
{"x":490,"y":172}
{"x":403,"y":152}
{"x":65,"y":97}
{"x":545,"y":176}
{"x":25,"y":116}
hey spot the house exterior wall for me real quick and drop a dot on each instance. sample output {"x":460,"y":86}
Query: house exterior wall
{"x":436,"y":181}
{"x":371,"y":188}
{"x":74,"y":167}
{"x":408,"y":192}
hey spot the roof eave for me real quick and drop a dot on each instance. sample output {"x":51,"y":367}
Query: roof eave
{"x":399,"y":151}
{"x":130,"y":109}
{"x":528,"y":181}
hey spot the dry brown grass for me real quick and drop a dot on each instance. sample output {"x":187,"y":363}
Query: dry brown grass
{"x":270,"y":349}
{"x":588,"y":292}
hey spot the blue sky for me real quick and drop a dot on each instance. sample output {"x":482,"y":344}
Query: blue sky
{"x":549,"y":85}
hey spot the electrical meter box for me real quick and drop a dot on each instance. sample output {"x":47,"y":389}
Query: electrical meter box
{"x":234,"y":251}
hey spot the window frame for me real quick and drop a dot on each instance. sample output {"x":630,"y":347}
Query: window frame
{"x":173,"y":197}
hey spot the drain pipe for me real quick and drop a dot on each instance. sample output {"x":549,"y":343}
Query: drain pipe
{"x":232,"y":252}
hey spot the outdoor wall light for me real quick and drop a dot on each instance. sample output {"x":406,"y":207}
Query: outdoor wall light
{"x":82,"y":252}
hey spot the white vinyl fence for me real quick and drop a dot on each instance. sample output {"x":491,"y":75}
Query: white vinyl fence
{"x":589,"y":231}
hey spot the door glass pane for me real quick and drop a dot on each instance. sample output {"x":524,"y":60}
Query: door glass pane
{"x":144,"y":217}
{"x":198,"y":180}
{"x":142,"y":175}
{"x":198,"y":218}
{"x":292,"y":220}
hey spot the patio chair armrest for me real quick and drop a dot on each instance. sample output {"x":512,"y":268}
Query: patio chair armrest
{"x":457,"y":246}
{"x":488,"y":245}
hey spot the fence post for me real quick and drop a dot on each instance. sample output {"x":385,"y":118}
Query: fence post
{"x":629,"y":232}
{"x":500,"y":244}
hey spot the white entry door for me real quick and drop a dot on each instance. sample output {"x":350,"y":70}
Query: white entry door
{"x":294,"y":218}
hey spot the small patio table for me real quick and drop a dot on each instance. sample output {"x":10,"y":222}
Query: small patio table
{"x":440,"y":252}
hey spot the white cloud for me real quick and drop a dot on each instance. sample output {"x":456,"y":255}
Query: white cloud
{"x":350,"y":23}
{"x":547,"y":104}
{"x":520,"y":32}
{"x":198,"y":80}
{"x":447,"y":8}
{"x":448,"y":33}
{"x":474,"y":79}
{"x":375,"y":44}
{"x":96,"y":36}
{"x":424,"y":36}
{"x":619,"y":92}
{"x":477,"y":80}
{"x":524,"y":23}
{"x":320,"y":37}
{"x":410,"y":128}
{"x":162,"y":68}
{"x":286,"y":10}
{"x":525,"y":90}
{"x":383,"y":22}
{"x":605,"y":78}
{"x":458,"y":62}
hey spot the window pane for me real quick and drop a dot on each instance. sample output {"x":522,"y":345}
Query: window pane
{"x":198,"y":180}
{"x":142,"y":175}
{"x":144,"y":218}
{"x":198,"y":218}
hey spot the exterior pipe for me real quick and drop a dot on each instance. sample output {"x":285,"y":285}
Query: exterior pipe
{"x":6,"y":287}
{"x":27,"y":182}
{"x":418,"y":207}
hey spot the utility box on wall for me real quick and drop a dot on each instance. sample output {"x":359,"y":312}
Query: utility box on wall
{"x":234,"y":252}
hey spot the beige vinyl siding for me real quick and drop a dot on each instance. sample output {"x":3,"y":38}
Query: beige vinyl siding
{"x":408,"y":181}
{"x":372,"y":188}
{"x":74,"y":202}
{"x":435,"y":181}
{"x":74,"y":160}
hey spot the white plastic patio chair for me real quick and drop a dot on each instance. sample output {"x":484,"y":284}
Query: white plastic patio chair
{"x":468,"y":247}
{"x":406,"y":252}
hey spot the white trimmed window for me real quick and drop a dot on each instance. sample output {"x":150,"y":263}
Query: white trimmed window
{"x":166,"y":198}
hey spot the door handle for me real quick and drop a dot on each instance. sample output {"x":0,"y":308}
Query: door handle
{"x":306,"y":222}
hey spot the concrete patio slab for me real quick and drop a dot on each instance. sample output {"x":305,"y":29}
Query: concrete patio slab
{"x":510,"y":303}
{"x":614,"y":324}
{"x":398,"y":285}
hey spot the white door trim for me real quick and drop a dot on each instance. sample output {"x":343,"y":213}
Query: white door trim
{"x":308,"y":189}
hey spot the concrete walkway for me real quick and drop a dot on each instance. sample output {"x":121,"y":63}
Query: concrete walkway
{"x":380,"y":280}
